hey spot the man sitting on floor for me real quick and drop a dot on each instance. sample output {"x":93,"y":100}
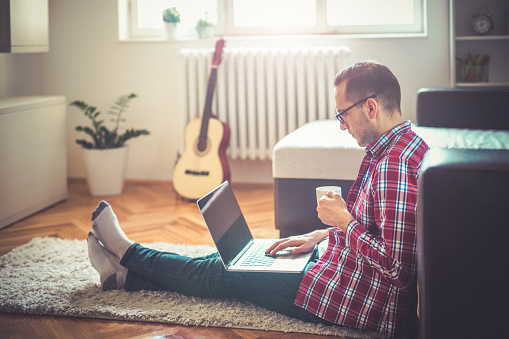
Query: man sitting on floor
{"x":363,"y":278}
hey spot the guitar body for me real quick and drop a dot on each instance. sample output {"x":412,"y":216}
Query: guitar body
{"x":200,"y":171}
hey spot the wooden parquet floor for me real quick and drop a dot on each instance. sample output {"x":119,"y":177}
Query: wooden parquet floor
{"x":148,"y":212}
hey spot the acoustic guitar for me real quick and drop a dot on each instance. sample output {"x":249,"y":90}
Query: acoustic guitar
{"x":203,"y":165}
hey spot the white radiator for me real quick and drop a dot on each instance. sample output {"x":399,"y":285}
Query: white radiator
{"x":263,"y":94}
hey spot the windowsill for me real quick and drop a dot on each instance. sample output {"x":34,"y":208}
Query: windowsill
{"x":319,"y":37}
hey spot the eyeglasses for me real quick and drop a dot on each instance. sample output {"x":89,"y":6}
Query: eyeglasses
{"x":339,"y":114}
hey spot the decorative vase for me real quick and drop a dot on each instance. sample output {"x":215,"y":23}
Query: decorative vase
{"x":474,"y":73}
{"x":105,"y":170}
{"x":205,"y":32}
{"x":171,"y":30}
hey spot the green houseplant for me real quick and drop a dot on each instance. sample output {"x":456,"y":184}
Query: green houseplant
{"x":102,"y":136}
{"x":171,"y":15}
{"x":106,"y":153}
{"x":203,"y":23}
{"x":205,"y":28}
{"x":171,"y":18}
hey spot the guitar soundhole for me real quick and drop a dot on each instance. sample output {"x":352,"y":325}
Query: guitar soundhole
{"x":201,"y":146}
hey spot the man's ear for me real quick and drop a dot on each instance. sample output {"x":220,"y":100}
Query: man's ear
{"x":372,"y":107}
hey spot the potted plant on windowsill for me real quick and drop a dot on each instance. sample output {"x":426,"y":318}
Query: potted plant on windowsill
{"x":171,"y":18}
{"x":106,"y":155}
{"x":205,"y":29}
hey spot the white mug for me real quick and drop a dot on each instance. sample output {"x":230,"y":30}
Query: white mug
{"x":321,"y":191}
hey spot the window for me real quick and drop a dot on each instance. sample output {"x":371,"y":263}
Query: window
{"x":376,"y":16}
{"x":248,"y":17}
{"x":269,"y":16}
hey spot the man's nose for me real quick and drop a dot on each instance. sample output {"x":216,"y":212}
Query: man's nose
{"x":342,"y":126}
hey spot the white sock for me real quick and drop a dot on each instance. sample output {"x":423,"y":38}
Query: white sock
{"x":110,"y":271}
{"x":108,"y":231}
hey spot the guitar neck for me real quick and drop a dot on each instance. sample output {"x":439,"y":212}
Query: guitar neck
{"x":207,"y":111}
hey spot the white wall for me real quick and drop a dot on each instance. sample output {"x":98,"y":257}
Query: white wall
{"x":86,"y":61}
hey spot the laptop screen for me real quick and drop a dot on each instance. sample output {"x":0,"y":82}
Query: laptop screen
{"x":225,"y":221}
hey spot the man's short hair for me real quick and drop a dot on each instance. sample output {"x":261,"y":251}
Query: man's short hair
{"x":366,"y":78}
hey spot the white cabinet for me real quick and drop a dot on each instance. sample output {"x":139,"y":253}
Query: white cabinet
{"x":24,"y":26}
{"x":464,"y":40}
{"x":33,"y":163}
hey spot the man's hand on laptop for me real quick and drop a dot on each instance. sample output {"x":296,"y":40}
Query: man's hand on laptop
{"x":298,"y":243}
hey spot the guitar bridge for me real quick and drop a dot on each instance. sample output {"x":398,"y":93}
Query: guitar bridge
{"x":197,"y":173}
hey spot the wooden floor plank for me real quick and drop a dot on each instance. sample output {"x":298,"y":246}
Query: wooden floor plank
{"x":148,"y":211}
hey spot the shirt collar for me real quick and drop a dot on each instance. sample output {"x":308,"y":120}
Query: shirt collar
{"x":378,"y":147}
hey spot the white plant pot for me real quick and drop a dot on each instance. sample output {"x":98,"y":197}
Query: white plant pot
{"x":205,"y":32}
{"x":171,"y":30}
{"x":105,"y":170}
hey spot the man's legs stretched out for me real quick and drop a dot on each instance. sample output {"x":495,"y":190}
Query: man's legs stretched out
{"x":202,"y":277}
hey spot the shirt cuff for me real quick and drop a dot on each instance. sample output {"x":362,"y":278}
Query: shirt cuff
{"x":354,"y":231}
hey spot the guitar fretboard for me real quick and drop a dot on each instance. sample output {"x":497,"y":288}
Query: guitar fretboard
{"x":207,"y":111}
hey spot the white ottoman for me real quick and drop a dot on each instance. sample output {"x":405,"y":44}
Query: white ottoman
{"x":320,"y":154}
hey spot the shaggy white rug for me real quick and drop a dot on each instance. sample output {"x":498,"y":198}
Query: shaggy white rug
{"x":52,"y":276}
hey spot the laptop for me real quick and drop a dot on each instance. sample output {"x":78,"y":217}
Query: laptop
{"x":234,"y":242}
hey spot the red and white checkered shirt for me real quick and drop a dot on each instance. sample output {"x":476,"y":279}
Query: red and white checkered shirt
{"x":363,"y":278}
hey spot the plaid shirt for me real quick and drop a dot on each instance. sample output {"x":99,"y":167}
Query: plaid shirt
{"x":363,"y":278}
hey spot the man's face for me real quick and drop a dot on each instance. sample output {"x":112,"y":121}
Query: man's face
{"x":357,"y":120}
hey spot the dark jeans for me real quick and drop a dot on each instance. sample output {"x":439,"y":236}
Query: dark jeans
{"x":206,"y":277}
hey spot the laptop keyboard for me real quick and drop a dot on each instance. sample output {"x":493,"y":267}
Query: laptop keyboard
{"x":257,"y":257}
